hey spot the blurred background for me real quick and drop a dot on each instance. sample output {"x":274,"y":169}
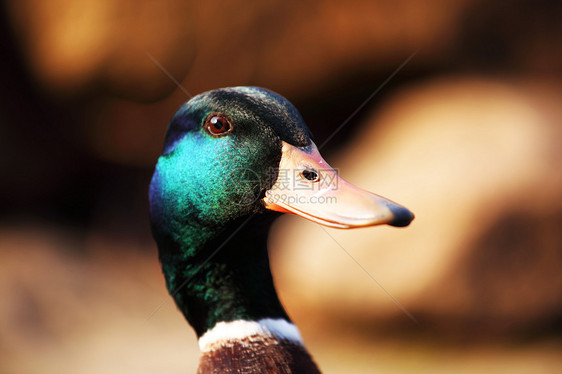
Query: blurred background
{"x":467,"y":133}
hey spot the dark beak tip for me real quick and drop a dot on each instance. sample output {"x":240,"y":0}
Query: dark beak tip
{"x":402,"y":216}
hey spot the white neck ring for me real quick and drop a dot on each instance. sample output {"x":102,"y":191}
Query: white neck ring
{"x":230,"y":332}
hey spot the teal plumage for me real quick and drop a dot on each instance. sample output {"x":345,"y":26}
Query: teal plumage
{"x":210,"y":213}
{"x":197,"y":197}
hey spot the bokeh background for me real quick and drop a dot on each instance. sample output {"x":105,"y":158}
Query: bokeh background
{"x":467,"y":133}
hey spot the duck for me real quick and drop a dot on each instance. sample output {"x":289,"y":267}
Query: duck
{"x":233,"y":160}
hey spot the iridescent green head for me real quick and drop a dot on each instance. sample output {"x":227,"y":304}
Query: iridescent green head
{"x":228,"y":154}
{"x":221,"y":153}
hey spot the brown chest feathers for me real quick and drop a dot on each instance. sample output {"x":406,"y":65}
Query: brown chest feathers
{"x":257,"y":354}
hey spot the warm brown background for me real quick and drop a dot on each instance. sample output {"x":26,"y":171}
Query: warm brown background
{"x":468,"y":135}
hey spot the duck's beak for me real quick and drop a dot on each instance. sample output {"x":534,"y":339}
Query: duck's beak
{"x":307,"y":186}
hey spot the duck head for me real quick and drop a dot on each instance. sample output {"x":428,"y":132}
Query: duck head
{"x":232,"y":152}
{"x":231,"y":156}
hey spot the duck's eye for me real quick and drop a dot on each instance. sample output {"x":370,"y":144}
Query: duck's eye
{"x":310,"y":174}
{"x":217,"y":125}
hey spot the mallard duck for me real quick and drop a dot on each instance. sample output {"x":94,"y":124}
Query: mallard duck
{"x":233,"y":159}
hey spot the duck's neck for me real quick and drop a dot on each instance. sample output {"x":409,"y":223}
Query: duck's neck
{"x":221,"y":274}
{"x":221,"y":281}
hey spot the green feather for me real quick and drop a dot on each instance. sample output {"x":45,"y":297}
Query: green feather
{"x":204,"y":187}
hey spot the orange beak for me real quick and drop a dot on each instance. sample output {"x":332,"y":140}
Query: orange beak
{"x":307,"y":186}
